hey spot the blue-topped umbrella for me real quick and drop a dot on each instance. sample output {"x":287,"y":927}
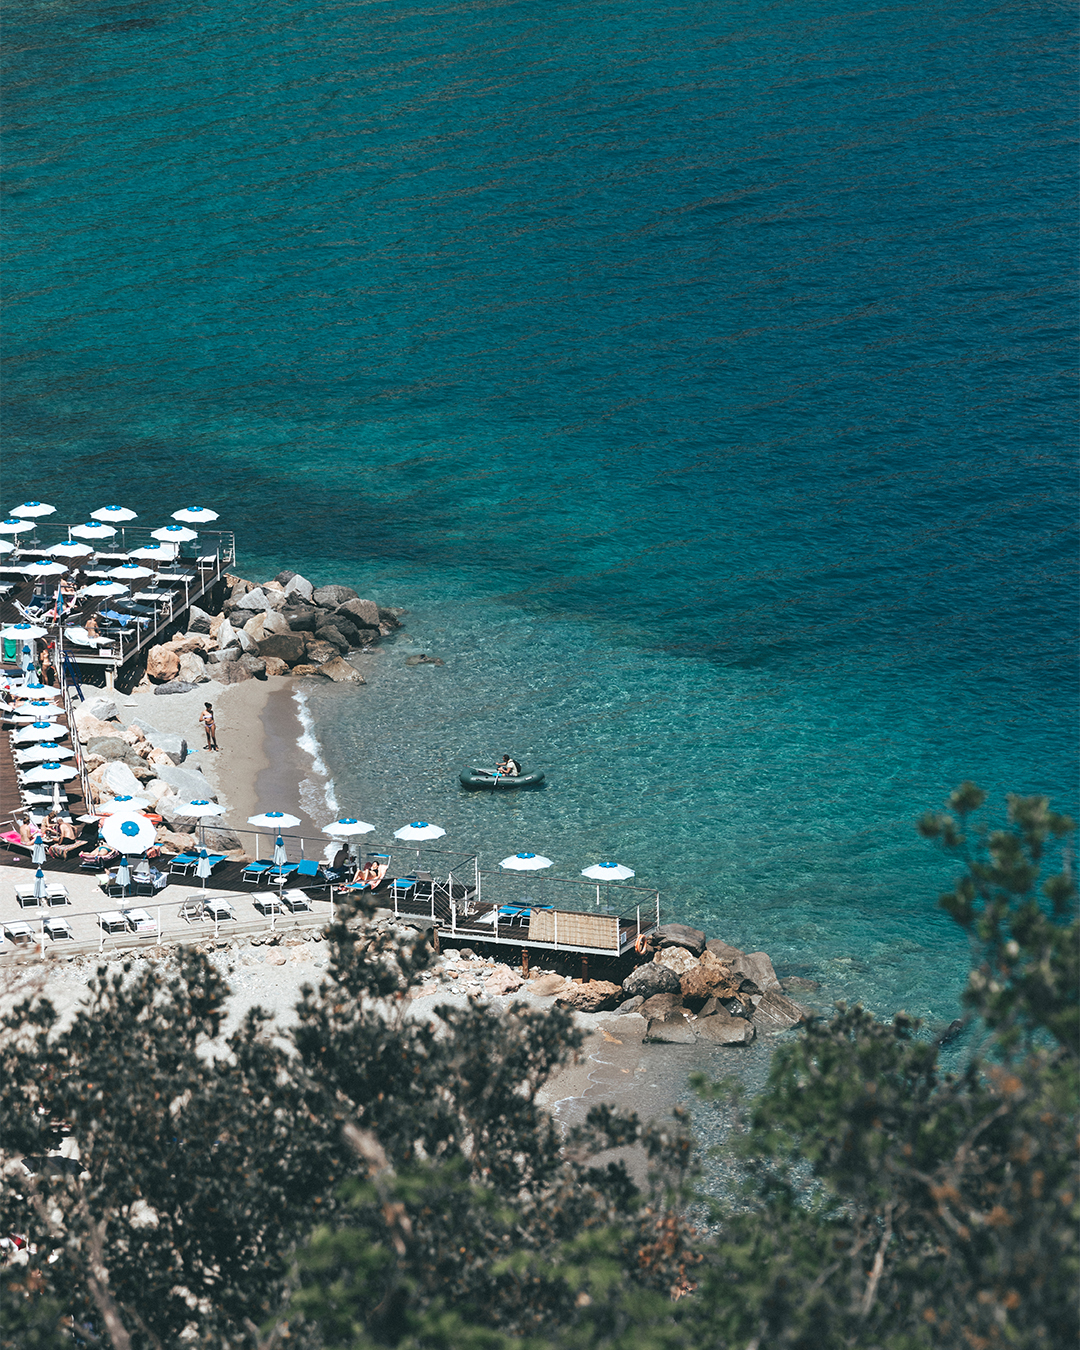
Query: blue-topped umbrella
{"x":15,"y":525}
{"x":280,"y":855}
{"x":38,"y":855}
{"x":202,"y":867}
{"x":70,"y":548}
{"x":525,"y":862}
{"x":123,"y":875}
{"x":113,"y":513}
{"x":94,"y":529}
{"x":607,"y":871}
{"x":41,"y":890}
{"x":174,"y":534}
{"x":31,"y":509}
{"x":22,"y":630}
{"x":44,"y":567}
{"x":195,"y":515}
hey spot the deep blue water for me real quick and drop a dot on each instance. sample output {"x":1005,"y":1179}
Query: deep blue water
{"x":699,"y":376}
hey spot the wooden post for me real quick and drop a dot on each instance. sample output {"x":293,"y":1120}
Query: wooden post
{"x":524,"y":963}
{"x":584,"y":970}
{"x":435,"y":940}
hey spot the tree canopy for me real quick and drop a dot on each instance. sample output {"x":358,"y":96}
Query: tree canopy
{"x":371,"y":1180}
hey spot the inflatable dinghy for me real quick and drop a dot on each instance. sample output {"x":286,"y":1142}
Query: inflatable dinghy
{"x":484,"y":778}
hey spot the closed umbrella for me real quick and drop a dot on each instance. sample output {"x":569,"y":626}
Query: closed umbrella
{"x":38,"y":855}
{"x":45,"y":567}
{"x":33,"y":509}
{"x":94,"y":529}
{"x":202,"y":867}
{"x":22,"y":630}
{"x":14,"y":525}
{"x":123,"y":876}
{"x":280,"y":855}
{"x":194,"y":515}
{"x":129,"y":834}
{"x":113,"y":514}
{"x":174,"y":534}
{"x":41,"y":890}
{"x":525,"y":862}
{"x":70,"y":548}
{"x":40,"y":731}
{"x":45,"y":750}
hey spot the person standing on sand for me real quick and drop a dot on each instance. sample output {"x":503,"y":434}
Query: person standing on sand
{"x":206,"y":718}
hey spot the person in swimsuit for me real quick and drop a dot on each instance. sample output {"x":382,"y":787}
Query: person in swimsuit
{"x":206,"y":718}
{"x":508,"y":768}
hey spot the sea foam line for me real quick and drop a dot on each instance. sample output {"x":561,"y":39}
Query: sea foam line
{"x":309,"y":743}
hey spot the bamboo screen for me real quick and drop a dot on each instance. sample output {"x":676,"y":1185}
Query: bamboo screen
{"x":575,"y":930}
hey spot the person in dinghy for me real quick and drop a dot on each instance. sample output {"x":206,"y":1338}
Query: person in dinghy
{"x":508,"y":768}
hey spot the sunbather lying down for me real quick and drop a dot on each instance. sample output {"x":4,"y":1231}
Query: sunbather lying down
{"x":369,"y":875}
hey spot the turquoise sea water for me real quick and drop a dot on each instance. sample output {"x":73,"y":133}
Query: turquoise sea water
{"x":698,"y":375}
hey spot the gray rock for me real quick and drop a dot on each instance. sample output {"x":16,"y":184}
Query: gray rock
{"x":354,"y":636}
{"x":231,"y":653}
{"x":423,"y":660}
{"x":388,"y":618}
{"x":222,"y":840}
{"x":318,"y":652}
{"x":247,"y":644}
{"x":328,"y":632}
{"x":776,"y":1012}
{"x":174,"y":746}
{"x":659,"y":1004}
{"x":651,"y":979}
{"x":110,"y":748}
{"x":331,"y":597}
{"x":723,"y":950}
{"x":119,"y":780}
{"x":198,"y":620}
{"x":363,"y":613}
{"x":230,"y":672}
{"x":722,"y":1029}
{"x":175,"y":687}
{"x":757,"y":967}
{"x":254,"y":600}
{"x":284,"y":577}
{"x":275,"y":622}
{"x":794,"y":984}
{"x":341,"y":672}
{"x":254,"y":665}
{"x":288,"y":647}
{"x":187,"y":783}
{"x":631,"y":1005}
{"x":679,"y":935}
{"x":256,"y":625}
{"x":192,"y":668}
{"x":298,"y":586}
{"x":104,"y":709}
{"x":671,"y":1028}
{"x":302,"y":620}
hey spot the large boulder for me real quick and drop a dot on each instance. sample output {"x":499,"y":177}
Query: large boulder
{"x":222,"y":840}
{"x":316,"y":651}
{"x":255,"y":627}
{"x":332,"y":597}
{"x":110,"y":748}
{"x":254,"y":665}
{"x":546,"y":985}
{"x":104,"y":709}
{"x":671,"y":1028}
{"x":118,"y":780}
{"x":302,"y":620}
{"x":593,"y":996}
{"x":179,"y":686}
{"x":248,"y":645}
{"x":677,"y":959}
{"x":723,"y":1029}
{"x":363,"y":613}
{"x":756,"y":966}
{"x":274,"y":665}
{"x":191,"y":642}
{"x":173,"y":842}
{"x":275,"y":622}
{"x":254,"y":600}
{"x":658,"y":1004}
{"x":776,"y":1012}
{"x":503,"y":980}
{"x":88,"y":726}
{"x":299,"y":587}
{"x":388,"y":619}
{"x":341,"y":672}
{"x":723,"y":949}
{"x":231,"y":653}
{"x":349,"y":631}
{"x":231,"y":672}
{"x":189,"y":784}
{"x":328,"y":632}
{"x":162,"y":663}
{"x":226,"y":633}
{"x":287,"y":647}
{"x":679,"y":935}
{"x":199,"y":621}
{"x":192,"y":669}
{"x":651,"y":979}
{"x":707,"y":979}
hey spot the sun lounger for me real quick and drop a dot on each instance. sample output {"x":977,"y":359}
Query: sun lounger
{"x":295,"y":901}
{"x":282,"y":872}
{"x":141,"y":924}
{"x":403,"y":886}
{"x":218,"y":908}
{"x":21,"y":934}
{"x":24,"y":894}
{"x":267,"y":902}
{"x":57,"y":895}
{"x":57,"y":928}
{"x":191,"y":908}
{"x":112,"y":921}
{"x":254,"y":870}
{"x":308,"y":868}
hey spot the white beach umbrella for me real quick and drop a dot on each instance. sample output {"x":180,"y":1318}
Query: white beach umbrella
{"x":174,"y":534}
{"x":38,"y":711}
{"x":44,"y":567}
{"x":16,"y":525}
{"x":129,"y":834}
{"x":22,"y":630}
{"x":113,"y":514}
{"x":152,"y":552}
{"x":40,"y":731}
{"x":32,"y":509}
{"x":6,"y":546}
{"x":42,"y":753}
{"x":607,"y":871}
{"x":130,"y":571}
{"x":104,"y":589}
{"x":41,"y":890}
{"x":70,"y":548}
{"x":281,"y":857}
{"x":122,"y":806}
{"x":525,"y":862}
{"x":199,"y":810}
{"x":52,"y":772}
{"x":194,"y":515}
{"x":94,"y":529}
{"x":273,"y":820}
{"x":37,"y":690}
{"x":202,"y":867}
{"x":419,"y":829}
{"x":348,"y":825}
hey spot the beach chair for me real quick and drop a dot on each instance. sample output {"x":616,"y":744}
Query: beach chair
{"x":58,"y":928}
{"x":307,"y":868}
{"x":191,"y":908}
{"x":254,"y":870}
{"x":216,"y":907}
{"x":282,"y":873}
{"x":24,"y":894}
{"x":148,"y":880}
{"x":112,"y":921}
{"x":56,"y":894}
{"x":267,"y":902}
{"x":296,"y":901}
{"x":183,"y":863}
{"x":401,"y":887}
{"x":20,"y":934}
{"x":141,"y":924}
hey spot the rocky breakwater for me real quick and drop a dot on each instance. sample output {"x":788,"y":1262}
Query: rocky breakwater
{"x":279,"y":627}
{"x":692,"y":989}
{"x":141,"y":761}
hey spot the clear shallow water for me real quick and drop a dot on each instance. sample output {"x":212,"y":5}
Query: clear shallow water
{"x":700,"y":380}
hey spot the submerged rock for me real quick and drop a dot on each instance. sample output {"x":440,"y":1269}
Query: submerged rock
{"x":723,"y":1029}
{"x":776,"y":1012}
{"x":341,"y":672}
